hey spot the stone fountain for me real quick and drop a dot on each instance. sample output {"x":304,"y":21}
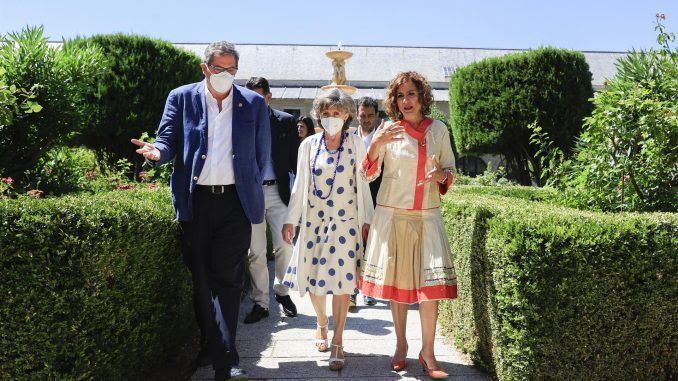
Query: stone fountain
{"x":338,"y":58}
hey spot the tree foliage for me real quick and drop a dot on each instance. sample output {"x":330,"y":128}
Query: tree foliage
{"x":131,"y":99}
{"x":493,"y":101}
{"x":57,"y":80}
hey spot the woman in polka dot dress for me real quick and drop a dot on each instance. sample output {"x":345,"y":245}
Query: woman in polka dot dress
{"x":334,"y":206}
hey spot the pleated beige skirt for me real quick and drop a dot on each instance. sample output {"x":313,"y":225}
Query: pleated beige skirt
{"x":407,"y":257}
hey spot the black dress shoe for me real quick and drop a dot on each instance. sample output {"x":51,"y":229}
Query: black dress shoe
{"x":258,"y":312}
{"x":203,"y":358}
{"x":287,"y":304}
{"x":230,"y":374}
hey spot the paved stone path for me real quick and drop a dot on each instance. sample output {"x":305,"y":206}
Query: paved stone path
{"x":281,"y":348}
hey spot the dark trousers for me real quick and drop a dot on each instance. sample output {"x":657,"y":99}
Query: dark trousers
{"x":214,"y":247}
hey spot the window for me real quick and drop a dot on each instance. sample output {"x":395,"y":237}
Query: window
{"x":295,"y":112}
{"x":447,"y":71}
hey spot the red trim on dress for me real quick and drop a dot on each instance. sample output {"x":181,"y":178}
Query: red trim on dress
{"x":370,"y":167}
{"x":419,"y":134}
{"x":408,"y":296}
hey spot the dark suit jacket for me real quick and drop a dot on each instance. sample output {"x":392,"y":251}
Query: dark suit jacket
{"x":284,"y":148}
{"x":182,"y":137}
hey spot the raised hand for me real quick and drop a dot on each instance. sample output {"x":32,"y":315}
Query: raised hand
{"x":147,"y":150}
{"x":384,"y":134}
{"x":436,"y":173}
{"x":387,"y":133}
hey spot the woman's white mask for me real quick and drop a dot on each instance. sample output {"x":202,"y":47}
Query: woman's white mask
{"x":332,"y":124}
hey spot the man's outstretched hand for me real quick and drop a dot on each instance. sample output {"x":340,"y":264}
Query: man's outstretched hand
{"x":147,"y":150}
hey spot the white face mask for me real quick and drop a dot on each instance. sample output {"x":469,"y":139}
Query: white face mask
{"x":221,"y":82}
{"x":332,"y":124}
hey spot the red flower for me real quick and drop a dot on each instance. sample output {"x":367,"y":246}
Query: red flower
{"x":90,"y":175}
{"x":125,"y":186}
{"x":152,"y":186}
{"x":36,"y":193}
{"x":8,"y":180}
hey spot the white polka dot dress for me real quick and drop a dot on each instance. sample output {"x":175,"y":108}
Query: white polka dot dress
{"x":327,"y":258}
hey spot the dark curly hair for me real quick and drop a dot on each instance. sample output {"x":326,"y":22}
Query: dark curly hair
{"x":423,"y":88}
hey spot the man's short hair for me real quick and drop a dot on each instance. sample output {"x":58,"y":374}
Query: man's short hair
{"x":258,"y":83}
{"x":368,"y":102}
{"x":220,"y":48}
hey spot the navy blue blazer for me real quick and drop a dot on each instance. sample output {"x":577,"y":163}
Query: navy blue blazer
{"x":182,"y":137}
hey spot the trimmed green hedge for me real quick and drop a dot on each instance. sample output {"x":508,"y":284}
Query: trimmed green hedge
{"x":547,"y":292}
{"x":131,"y":99}
{"x":92,"y":287}
{"x":493,"y":101}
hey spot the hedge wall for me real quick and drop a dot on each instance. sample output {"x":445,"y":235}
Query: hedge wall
{"x":92,"y":287}
{"x":493,"y":101}
{"x":547,"y":292}
{"x":131,"y":99}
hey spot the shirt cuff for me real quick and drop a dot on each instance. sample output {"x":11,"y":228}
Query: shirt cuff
{"x":370,"y":167}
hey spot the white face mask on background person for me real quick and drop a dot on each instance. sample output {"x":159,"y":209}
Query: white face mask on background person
{"x":221,"y":82}
{"x":332,"y":124}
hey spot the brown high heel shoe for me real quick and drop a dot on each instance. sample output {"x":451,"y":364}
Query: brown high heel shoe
{"x":435,"y":374}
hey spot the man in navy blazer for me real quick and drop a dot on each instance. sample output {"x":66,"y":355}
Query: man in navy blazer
{"x":217,"y":135}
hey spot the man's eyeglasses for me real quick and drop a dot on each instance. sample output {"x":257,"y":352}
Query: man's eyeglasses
{"x":216,"y":69}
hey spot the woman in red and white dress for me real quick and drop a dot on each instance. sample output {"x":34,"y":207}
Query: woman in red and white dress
{"x":407,"y":256}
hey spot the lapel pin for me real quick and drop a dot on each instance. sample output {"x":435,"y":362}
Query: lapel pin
{"x":239,"y":104}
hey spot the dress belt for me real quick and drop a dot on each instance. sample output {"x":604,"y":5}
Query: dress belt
{"x":216,"y":189}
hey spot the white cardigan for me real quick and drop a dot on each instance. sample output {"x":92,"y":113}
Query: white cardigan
{"x":302,"y":183}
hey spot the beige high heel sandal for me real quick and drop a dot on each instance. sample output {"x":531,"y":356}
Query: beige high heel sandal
{"x":321,"y":344}
{"x":335,"y":362}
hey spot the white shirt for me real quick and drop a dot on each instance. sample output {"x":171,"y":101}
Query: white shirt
{"x":218,"y":168}
{"x":367,"y":139}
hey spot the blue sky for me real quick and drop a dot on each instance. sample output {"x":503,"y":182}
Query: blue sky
{"x":600,"y":25}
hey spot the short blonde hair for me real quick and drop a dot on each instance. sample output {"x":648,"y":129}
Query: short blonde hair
{"x":423,"y":88}
{"x":334,"y":97}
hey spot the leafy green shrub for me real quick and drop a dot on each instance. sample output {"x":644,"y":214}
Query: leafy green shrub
{"x":547,"y":292}
{"x":92,"y":287}
{"x":627,"y":156}
{"x":494,"y":100}
{"x":131,"y":99}
{"x":14,"y":101}
{"x":58,"y":79}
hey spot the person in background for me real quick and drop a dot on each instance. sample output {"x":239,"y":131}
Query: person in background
{"x":276,"y":185}
{"x":217,"y":135}
{"x":334,"y":206}
{"x":408,"y":258}
{"x":305,"y":127}
{"x":368,"y":112}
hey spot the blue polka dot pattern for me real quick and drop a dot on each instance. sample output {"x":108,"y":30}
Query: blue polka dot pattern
{"x":327,"y":259}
